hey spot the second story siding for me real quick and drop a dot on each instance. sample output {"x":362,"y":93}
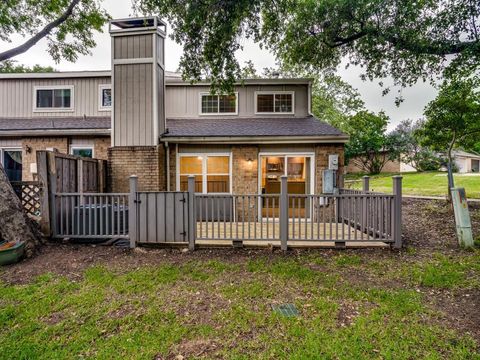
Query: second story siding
{"x":183,"y":101}
{"x":18,"y":97}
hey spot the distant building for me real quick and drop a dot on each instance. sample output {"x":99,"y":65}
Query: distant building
{"x":466,"y":162}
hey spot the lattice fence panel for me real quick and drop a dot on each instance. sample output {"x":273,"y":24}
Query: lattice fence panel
{"x":30,"y":192}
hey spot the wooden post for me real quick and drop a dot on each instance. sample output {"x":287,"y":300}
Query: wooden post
{"x":283,"y":213}
{"x":52,"y":180}
{"x":80,"y":179}
{"x":42,"y":171}
{"x":366,"y":183}
{"x":101,"y":178}
{"x":132,"y":211}
{"x":192,"y":221}
{"x":397,"y":212}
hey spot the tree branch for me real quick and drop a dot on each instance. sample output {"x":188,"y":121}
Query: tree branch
{"x":40,"y":35}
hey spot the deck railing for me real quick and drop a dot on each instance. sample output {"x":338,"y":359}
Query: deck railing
{"x":343,"y":218}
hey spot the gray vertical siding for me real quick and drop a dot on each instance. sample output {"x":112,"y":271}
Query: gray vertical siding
{"x":133,"y":47}
{"x":133,"y":105}
{"x":183,"y":100}
{"x":17,"y":97}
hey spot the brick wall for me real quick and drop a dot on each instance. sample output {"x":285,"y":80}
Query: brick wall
{"x":245,"y":172}
{"x":321,"y":158}
{"x":101,"y":145}
{"x":173,"y":169}
{"x":30,"y":147}
{"x":147,"y":162}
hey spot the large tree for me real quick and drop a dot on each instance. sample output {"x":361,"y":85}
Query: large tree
{"x":453,"y":117}
{"x":370,"y":147}
{"x":420,"y":157}
{"x":407,"y":40}
{"x":10,"y":66}
{"x":67,"y":25}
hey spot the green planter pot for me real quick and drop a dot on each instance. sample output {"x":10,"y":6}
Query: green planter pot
{"x":13,"y":254}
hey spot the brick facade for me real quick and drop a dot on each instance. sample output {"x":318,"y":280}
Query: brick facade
{"x":30,"y":147}
{"x":147,"y":162}
{"x":321,"y":163}
{"x":245,"y":169}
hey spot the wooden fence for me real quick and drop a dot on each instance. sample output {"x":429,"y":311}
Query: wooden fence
{"x":62,"y":173}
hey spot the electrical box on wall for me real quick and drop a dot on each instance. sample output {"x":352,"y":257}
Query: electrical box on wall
{"x":328,"y":181}
{"x":333,"y":162}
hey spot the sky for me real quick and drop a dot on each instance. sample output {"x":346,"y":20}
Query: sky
{"x":415,"y":97}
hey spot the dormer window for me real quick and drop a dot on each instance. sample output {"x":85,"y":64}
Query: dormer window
{"x":274,"y":102}
{"x":53,"y":98}
{"x":218,"y":104}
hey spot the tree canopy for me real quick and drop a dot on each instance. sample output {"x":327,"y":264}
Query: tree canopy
{"x":452,"y":118}
{"x":407,"y":40}
{"x":10,"y":66}
{"x":67,"y":25}
{"x":370,"y":147}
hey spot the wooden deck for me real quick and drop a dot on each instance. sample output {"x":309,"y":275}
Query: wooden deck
{"x":303,"y":234}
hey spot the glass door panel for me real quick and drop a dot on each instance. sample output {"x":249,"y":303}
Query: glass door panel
{"x":12,"y":163}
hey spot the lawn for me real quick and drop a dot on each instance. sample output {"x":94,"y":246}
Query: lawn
{"x":427,"y":183}
{"x":75,"y":301}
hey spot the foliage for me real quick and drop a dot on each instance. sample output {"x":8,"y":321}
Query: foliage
{"x":370,"y":147}
{"x":421,"y":158}
{"x":402,"y":39}
{"x":453,"y":116}
{"x":10,"y":66}
{"x":67,"y":26}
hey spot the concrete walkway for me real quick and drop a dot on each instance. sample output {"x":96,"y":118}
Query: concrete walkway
{"x":435,"y":198}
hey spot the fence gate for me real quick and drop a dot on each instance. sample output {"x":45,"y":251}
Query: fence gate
{"x":162,"y":217}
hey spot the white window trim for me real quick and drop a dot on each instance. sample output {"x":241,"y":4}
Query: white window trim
{"x":8,"y":148}
{"x":54,"y":87}
{"x":82,"y":147}
{"x":204,"y":174}
{"x":102,"y":87}
{"x":274,"y":93}
{"x":219,"y":113}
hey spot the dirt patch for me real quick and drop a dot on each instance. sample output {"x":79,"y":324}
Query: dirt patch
{"x":431,"y":224}
{"x":191,"y":349}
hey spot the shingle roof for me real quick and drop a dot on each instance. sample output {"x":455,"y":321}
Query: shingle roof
{"x":54,"y":123}
{"x":242,"y":127}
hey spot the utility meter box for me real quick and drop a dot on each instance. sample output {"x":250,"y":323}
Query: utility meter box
{"x":328,"y":181}
{"x":333,"y":162}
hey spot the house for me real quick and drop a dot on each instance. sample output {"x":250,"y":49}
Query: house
{"x":356,"y":166}
{"x":466,"y":162}
{"x":149,"y":122}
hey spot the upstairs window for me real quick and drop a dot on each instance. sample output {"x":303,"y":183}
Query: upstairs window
{"x":105,"y":97}
{"x":54,"y":98}
{"x":274,"y":102}
{"x":218,"y":104}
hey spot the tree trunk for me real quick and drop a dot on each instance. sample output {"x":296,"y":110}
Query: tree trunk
{"x":15,"y":225}
{"x":451,"y":183}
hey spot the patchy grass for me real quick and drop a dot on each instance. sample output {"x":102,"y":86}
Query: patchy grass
{"x":426,"y":183}
{"x":351,"y":305}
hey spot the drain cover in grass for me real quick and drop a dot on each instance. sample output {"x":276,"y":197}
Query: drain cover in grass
{"x":287,"y":310}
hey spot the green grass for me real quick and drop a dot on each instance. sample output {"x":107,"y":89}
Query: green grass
{"x":220,"y":309}
{"x":427,"y":183}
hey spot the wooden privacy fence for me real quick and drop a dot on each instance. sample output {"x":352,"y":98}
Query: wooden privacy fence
{"x":345,"y":218}
{"x":66,"y":174}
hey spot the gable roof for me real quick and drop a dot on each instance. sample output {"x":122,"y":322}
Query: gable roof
{"x":285,"y":129}
{"x":55,"y":126}
{"x":462,"y":153}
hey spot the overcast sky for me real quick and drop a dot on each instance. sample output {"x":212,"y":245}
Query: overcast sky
{"x":415,"y":97}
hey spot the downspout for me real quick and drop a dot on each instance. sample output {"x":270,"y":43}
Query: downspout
{"x":310,"y":98}
{"x":167,"y":164}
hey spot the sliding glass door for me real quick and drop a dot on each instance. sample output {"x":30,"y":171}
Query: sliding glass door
{"x":297,"y":168}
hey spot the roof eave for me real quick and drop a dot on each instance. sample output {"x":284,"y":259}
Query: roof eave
{"x":341,"y":139}
{"x":54,"y":132}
